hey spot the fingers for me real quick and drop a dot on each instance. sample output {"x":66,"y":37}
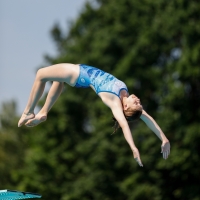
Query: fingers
{"x":165,"y":153}
{"x":165,"y":156}
{"x":139,"y":162}
{"x":165,"y":149}
{"x":136,"y":156}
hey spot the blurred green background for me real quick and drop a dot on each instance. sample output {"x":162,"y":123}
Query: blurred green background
{"x":154,"y":47}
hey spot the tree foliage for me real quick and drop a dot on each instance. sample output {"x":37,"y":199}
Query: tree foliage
{"x":154,"y":47}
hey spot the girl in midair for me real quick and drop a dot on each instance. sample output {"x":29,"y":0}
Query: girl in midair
{"x":113,"y":93}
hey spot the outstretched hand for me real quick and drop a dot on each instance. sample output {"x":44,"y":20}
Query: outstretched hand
{"x":165,"y":149}
{"x":136,"y":156}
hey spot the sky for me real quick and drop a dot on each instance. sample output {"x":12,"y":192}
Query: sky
{"x":24,"y":40}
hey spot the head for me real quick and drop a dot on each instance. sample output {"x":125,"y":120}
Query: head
{"x":132,"y":109}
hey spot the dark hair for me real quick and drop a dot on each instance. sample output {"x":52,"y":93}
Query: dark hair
{"x":135,"y":116}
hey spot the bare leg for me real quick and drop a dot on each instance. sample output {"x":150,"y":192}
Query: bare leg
{"x":36,"y":93}
{"x":60,"y":73}
{"x":52,"y":96}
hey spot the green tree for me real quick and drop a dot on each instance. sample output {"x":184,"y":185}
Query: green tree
{"x":11,"y":146}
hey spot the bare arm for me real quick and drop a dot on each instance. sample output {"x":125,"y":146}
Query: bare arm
{"x":151,"y":123}
{"x":119,"y":116}
{"x":114,"y":103}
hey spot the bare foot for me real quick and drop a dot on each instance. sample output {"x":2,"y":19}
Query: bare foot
{"x":24,"y":118}
{"x":39,"y":118}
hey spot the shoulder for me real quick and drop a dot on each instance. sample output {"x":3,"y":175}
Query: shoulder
{"x":144,"y":115}
{"x":111,"y":100}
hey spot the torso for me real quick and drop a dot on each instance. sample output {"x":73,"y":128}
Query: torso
{"x":99,"y":81}
{"x":111,"y":90}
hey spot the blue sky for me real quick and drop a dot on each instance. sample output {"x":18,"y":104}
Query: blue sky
{"x":24,"y":40}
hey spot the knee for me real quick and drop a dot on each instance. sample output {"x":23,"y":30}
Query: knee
{"x":40,"y":74}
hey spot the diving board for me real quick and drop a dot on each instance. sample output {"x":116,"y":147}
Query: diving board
{"x":13,"y":195}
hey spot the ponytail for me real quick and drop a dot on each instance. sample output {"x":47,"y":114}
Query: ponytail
{"x":116,"y":125}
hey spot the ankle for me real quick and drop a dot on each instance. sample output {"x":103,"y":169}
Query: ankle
{"x":28,"y":113}
{"x":43,"y":113}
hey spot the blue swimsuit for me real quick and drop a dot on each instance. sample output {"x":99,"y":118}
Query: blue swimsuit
{"x":100,"y":80}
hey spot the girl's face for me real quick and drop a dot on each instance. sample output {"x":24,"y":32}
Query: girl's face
{"x":132,"y":100}
{"x":130,"y":104}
